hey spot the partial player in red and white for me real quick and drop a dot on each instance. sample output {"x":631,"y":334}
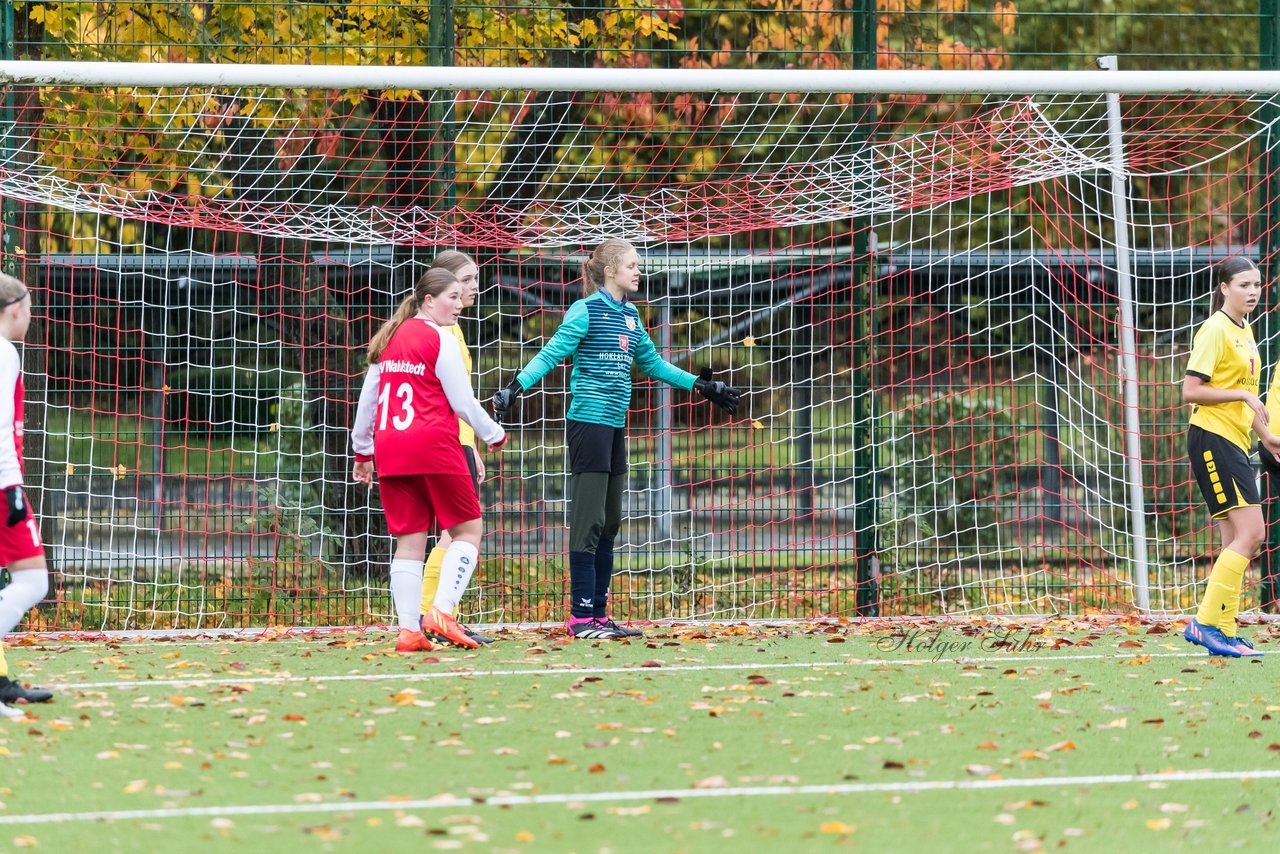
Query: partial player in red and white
{"x":407,"y":429}
{"x":21,"y":550}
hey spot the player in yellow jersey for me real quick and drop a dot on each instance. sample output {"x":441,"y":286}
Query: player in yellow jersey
{"x":438,"y":618}
{"x":1221,"y":385}
{"x":1271,"y":462}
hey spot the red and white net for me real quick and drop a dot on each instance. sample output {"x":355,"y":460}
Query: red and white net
{"x":919,"y":294}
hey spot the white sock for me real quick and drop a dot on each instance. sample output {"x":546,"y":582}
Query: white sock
{"x":459,"y":563}
{"x":26,"y":590}
{"x":406,"y":592}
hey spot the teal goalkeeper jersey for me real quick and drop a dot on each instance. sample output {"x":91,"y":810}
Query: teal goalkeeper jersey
{"x":603,"y":336}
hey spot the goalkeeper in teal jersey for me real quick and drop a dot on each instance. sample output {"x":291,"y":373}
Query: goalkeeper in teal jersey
{"x":603,"y":335}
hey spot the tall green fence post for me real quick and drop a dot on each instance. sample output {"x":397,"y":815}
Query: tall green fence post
{"x":865,"y":463}
{"x":1269,"y":58}
{"x":440,"y":50}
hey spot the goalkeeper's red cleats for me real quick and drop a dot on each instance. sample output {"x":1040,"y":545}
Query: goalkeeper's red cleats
{"x":413,"y":642}
{"x":437,"y":622}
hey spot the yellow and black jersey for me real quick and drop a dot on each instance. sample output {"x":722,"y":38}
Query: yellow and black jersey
{"x":1273,"y":398}
{"x":466,"y":435}
{"x":1225,"y":355}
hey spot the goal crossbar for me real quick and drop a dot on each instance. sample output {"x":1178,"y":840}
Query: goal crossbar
{"x":147,"y":74}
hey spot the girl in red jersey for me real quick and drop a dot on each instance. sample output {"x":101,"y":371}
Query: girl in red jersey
{"x":464,"y":267}
{"x":21,"y":550}
{"x":407,"y":428}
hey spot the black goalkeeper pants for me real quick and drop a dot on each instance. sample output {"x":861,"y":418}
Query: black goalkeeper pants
{"x":597,"y":480}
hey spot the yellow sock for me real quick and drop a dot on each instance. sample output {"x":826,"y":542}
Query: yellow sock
{"x":1221,"y":599}
{"x":4,"y":665}
{"x":1227,"y":622}
{"x":431,"y":578}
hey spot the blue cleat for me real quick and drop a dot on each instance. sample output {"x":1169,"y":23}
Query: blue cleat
{"x":1211,"y":638}
{"x":1245,"y":647}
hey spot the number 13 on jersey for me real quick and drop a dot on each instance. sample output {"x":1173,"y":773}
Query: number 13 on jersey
{"x":404,"y":401}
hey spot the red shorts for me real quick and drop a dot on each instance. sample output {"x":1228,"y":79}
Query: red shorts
{"x":427,"y":502}
{"x":20,"y":542}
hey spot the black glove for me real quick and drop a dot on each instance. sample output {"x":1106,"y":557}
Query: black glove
{"x":1269,"y":463}
{"x":17,"y":503}
{"x":721,"y":394}
{"x":504,"y":397}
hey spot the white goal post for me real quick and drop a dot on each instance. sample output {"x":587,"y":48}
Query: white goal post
{"x":962,"y":301}
{"x":452,"y":78}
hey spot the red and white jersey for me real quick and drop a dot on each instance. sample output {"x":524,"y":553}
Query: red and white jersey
{"x":10,"y":415}
{"x":407,"y":420}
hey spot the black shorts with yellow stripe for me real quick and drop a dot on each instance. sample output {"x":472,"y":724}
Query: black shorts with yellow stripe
{"x":1222,"y":471}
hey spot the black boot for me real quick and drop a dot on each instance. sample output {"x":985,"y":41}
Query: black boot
{"x":12,"y":692}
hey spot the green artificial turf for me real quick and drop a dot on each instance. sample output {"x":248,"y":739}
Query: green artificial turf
{"x":344,"y":740}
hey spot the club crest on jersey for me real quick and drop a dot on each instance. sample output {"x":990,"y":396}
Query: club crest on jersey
{"x":624,"y":341}
{"x":631,"y":323}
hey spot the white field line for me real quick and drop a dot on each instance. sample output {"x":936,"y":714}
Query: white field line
{"x":994,"y":622}
{"x":451,"y":802}
{"x":570,"y":670}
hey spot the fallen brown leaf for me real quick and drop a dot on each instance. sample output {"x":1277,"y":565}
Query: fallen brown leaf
{"x":716,"y":782}
{"x":838,"y":827}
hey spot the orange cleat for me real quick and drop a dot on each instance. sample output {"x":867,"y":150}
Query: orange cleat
{"x":437,"y":622}
{"x":413,"y":642}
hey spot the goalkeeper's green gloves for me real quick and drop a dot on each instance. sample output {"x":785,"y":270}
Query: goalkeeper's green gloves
{"x":504,"y":397}
{"x":721,"y":394}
